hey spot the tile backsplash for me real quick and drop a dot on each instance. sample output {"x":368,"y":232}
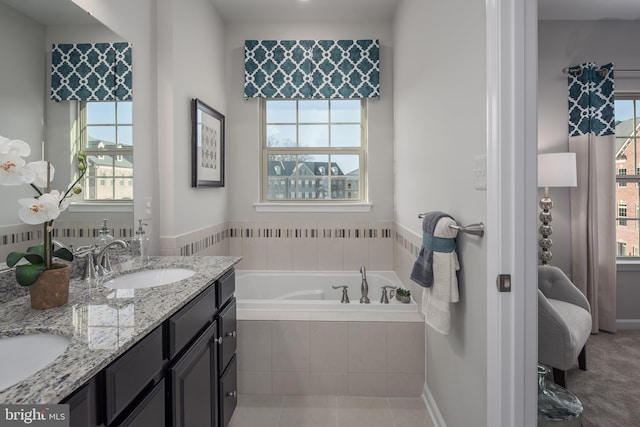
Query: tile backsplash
{"x":307,"y":246}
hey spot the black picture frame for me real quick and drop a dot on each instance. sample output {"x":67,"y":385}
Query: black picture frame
{"x":207,"y":146}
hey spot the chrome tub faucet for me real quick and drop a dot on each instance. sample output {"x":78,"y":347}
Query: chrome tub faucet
{"x":364,"y":287}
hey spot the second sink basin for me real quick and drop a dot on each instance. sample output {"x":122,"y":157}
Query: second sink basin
{"x":149,"y":278}
{"x":23,"y":355}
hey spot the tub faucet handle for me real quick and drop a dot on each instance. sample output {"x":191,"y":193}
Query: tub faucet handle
{"x":345,"y":295}
{"x":385,"y":297}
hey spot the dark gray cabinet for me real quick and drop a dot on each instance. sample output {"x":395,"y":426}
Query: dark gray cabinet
{"x":182,"y":374}
{"x":133,"y":372}
{"x":228,"y":392}
{"x":193,"y":383}
{"x":227,"y":371}
{"x":84,"y":406}
{"x":150,"y":411}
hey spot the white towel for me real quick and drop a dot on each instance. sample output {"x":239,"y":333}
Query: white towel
{"x":436,"y":300}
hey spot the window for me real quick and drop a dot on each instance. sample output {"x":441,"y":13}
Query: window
{"x":622,"y":214}
{"x":317,"y":146}
{"x":105,"y":135}
{"x":627,"y":158}
{"x":622,"y":172}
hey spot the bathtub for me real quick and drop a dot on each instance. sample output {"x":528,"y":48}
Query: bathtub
{"x":308,"y":295}
{"x":295,"y":337}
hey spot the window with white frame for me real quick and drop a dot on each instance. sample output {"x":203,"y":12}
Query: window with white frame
{"x":627,"y":158}
{"x":313,"y":150}
{"x":105,"y":135}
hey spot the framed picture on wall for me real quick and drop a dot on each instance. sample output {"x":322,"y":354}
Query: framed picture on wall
{"x":207,"y":146}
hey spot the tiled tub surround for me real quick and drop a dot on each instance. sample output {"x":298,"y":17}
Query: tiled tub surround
{"x":320,"y":346}
{"x":406,"y":247}
{"x":341,"y":246}
{"x":358,"y":358}
{"x":101,"y":324}
{"x":311,"y":246}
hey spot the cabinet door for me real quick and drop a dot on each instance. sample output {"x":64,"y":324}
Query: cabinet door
{"x":135,"y":370}
{"x":194,"y":383}
{"x":149,"y":412}
{"x":228,"y":393}
{"x":227,"y":332}
{"x":84,"y":409}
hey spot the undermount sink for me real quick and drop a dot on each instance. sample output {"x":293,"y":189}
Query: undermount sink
{"x":23,"y":355}
{"x":149,"y":278}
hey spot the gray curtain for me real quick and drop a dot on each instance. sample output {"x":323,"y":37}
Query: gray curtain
{"x":593,"y":231}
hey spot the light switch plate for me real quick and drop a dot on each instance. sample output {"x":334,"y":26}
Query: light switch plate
{"x":480,"y":172}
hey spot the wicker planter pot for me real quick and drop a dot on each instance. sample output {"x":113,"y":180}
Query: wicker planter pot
{"x":51,"y":289}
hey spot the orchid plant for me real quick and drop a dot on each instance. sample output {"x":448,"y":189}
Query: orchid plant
{"x":43,"y":208}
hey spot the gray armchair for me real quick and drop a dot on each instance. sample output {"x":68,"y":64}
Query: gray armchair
{"x":564,"y":322}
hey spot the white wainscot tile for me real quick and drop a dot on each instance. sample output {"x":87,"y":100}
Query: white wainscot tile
{"x":305,"y":254}
{"x":290,"y":346}
{"x":279,"y":253}
{"x":328,"y":347}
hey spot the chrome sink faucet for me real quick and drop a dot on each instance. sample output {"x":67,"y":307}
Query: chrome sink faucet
{"x":102,"y":264}
{"x":364,"y":287}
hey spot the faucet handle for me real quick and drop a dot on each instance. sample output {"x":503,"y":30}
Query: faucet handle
{"x":345,"y":295}
{"x":384,"y":299}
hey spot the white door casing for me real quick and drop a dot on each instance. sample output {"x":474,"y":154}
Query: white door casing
{"x":512,"y":212}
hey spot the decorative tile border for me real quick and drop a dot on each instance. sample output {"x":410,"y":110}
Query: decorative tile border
{"x":312,"y":232}
{"x":204,"y":243}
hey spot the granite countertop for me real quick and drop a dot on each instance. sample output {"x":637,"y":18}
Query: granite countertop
{"x":101,"y":323}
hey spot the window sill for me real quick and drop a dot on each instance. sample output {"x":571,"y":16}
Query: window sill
{"x":312,"y":207}
{"x":101,"y":207}
{"x":628,"y":265}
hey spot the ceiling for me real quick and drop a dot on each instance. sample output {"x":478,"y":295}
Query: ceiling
{"x":62,"y":12}
{"x":309,"y":10}
{"x":52,"y":12}
{"x":588,"y":10}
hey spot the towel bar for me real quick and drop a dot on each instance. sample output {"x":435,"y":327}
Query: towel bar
{"x":475,"y":229}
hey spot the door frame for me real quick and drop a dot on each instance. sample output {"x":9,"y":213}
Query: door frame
{"x":511,"y":28}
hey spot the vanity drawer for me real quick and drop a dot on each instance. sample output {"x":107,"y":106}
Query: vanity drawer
{"x":130,"y":374}
{"x":228,"y":397}
{"x":226,"y":287}
{"x":191,"y":319}
{"x":227,"y":331}
{"x":150,"y":412}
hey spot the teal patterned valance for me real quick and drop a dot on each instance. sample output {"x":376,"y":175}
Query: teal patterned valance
{"x":91,"y":72}
{"x":312,"y":69}
{"x":591,"y":100}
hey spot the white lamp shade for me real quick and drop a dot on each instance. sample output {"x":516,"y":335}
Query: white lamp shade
{"x":557,"y":170}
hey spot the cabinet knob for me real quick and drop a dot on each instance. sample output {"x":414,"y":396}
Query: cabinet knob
{"x":218,"y":340}
{"x":230,"y":334}
{"x":233,"y":394}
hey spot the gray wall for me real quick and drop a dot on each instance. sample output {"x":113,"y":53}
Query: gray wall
{"x":440,"y":115}
{"x":243,"y":123}
{"x":566,"y":43}
{"x":22,"y":94}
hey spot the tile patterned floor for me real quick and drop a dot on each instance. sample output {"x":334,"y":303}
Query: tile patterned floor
{"x":329,"y":411}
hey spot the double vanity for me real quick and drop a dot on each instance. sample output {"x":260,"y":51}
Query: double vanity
{"x":153,"y":345}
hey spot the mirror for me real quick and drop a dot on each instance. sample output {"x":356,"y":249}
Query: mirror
{"x":28,"y":28}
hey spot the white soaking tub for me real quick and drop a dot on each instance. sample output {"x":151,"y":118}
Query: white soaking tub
{"x":308,"y":295}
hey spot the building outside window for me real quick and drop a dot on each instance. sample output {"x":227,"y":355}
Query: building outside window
{"x":105,"y":135}
{"x":627,"y":158}
{"x":313,"y":150}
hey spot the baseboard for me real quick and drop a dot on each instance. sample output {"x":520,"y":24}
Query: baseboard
{"x":628,"y":323}
{"x":432,"y":407}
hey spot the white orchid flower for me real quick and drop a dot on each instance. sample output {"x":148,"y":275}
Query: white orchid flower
{"x":12,"y":164}
{"x":37,"y":211}
{"x":7,"y":145}
{"x":39,"y":168}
